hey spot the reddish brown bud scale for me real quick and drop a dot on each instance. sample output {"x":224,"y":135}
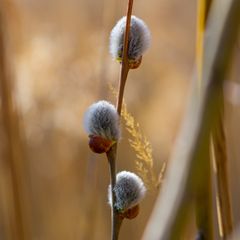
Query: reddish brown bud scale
{"x":133,"y":64}
{"x":131,"y":212}
{"x":99,"y":144}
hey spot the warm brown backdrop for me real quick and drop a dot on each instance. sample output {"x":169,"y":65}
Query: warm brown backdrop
{"x":60,"y":65}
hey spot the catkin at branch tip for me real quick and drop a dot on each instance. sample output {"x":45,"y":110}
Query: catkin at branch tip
{"x":102,"y":119}
{"x":139,"y":38}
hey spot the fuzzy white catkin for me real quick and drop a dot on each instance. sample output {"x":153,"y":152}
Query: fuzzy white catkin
{"x":129,"y":190}
{"x":139,"y":38}
{"x":102,"y":119}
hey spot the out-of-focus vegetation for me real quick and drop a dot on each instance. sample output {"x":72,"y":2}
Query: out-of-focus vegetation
{"x":58,"y":64}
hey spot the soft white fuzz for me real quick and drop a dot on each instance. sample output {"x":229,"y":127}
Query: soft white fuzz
{"x":129,"y":190}
{"x":139,"y":38}
{"x":102,"y":119}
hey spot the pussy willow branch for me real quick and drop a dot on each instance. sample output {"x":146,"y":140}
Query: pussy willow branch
{"x":124,"y":65}
{"x":116,"y":221}
{"x":112,"y":154}
{"x":201,"y":115}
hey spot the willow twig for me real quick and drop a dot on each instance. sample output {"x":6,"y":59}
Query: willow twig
{"x":112,"y":154}
{"x":125,"y":64}
{"x":116,"y":223}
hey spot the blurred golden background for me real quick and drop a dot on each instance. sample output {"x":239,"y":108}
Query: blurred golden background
{"x":59,"y":64}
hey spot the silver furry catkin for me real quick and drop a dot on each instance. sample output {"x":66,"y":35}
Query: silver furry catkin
{"x":101,"y":119}
{"x":139,"y":39}
{"x":129,"y":191}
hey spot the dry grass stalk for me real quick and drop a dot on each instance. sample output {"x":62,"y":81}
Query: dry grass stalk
{"x":225,"y":219}
{"x":170,"y":209}
{"x":204,"y":195}
{"x":218,"y":145}
{"x":18,"y":221}
{"x":142,"y":148}
{"x":203,"y":10}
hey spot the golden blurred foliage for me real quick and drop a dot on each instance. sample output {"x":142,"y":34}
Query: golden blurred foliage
{"x":56,"y":64}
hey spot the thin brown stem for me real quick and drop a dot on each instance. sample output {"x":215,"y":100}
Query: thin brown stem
{"x":124,"y":65}
{"x":116,"y":220}
{"x":122,"y":82}
{"x":112,"y":153}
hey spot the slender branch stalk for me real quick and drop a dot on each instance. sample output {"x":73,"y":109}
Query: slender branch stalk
{"x":124,"y":65}
{"x":122,"y":82}
{"x":116,"y":223}
{"x":112,"y":153}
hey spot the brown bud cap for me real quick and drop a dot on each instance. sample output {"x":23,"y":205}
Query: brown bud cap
{"x":131,"y":212}
{"x":133,"y":64}
{"x":99,"y":144}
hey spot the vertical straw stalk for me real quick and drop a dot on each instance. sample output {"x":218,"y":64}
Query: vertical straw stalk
{"x":201,"y":116}
{"x":18,"y":219}
{"x":112,"y":153}
{"x":219,"y":156}
{"x":218,"y":144}
{"x":204,"y":195}
{"x":203,"y":10}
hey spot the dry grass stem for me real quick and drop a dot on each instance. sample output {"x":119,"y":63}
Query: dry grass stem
{"x":204,"y":196}
{"x":142,"y":148}
{"x":169,"y":212}
{"x":203,"y":10}
{"x":18,"y":221}
{"x":218,"y":146}
{"x":219,"y":156}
